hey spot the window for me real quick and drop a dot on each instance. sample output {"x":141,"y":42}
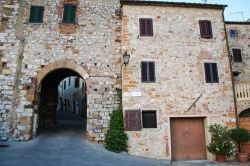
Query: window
{"x":133,"y":120}
{"x":64,"y":85}
{"x":149,"y":119}
{"x":148,"y":72}
{"x":77,"y":80}
{"x":146,"y":26}
{"x":69,"y":13}
{"x":211,"y":73}
{"x":69,"y":81}
{"x":36,"y":14}
{"x":206,"y":29}
{"x":233,"y":33}
{"x":237,"y":55}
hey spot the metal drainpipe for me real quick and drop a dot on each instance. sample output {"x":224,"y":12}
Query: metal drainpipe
{"x":233,"y":84}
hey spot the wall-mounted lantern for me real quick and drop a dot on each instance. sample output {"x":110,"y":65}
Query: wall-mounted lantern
{"x":126,"y":58}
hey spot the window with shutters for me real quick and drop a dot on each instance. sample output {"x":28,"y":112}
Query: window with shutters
{"x":69,"y":81}
{"x":211,"y":72}
{"x":36,"y":14}
{"x":64,"y":85}
{"x":149,"y":119}
{"x":77,"y":80}
{"x":233,"y":33}
{"x":132,"y":120}
{"x":146,"y":26}
{"x":206,"y":29}
{"x":148,"y":72}
{"x":69,"y":14}
{"x":237,"y":57}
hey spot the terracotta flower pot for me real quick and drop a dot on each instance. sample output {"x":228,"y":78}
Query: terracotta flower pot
{"x":243,"y":157}
{"x":220,"y":158}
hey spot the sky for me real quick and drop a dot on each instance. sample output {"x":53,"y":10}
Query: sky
{"x":232,"y":12}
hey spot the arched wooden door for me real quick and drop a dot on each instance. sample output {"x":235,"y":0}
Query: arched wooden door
{"x":244,"y":119}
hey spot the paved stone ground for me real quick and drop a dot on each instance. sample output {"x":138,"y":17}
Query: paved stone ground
{"x":66,"y":145}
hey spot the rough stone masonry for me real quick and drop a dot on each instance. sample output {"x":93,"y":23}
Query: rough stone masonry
{"x":92,"y":48}
{"x":29,"y":52}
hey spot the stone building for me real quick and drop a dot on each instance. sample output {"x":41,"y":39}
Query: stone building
{"x":72,"y":96}
{"x":239,"y":47}
{"x":177,"y":82}
{"x":43,"y":42}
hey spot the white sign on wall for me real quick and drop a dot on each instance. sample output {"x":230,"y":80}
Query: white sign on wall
{"x":136,"y":93}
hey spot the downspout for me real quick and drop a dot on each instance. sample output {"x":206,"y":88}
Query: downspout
{"x":231,"y":71}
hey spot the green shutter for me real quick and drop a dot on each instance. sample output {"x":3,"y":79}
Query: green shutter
{"x":65,"y":13}
{"x":36,"y":14}
{"x":32,"y":14}
{"x":69,"y":13}
{"x":40,"y":11}
{"x":73,"y":14}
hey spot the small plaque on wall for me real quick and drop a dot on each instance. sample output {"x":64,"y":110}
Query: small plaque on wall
{"x":136,"y":93}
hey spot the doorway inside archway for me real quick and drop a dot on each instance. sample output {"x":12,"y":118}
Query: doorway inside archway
{"x":62,"y":103}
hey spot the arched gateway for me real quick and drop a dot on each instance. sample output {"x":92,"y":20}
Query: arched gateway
{"x":48,"y":79}
{"x":244,"y":119}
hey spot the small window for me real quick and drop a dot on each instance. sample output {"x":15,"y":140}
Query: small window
{"x":149,"y":119}
{"x":206,"y":29}
{"x":69,"y":13}
{"x":36,"y":14}
{"x":77,"y":80}
{"x":146,"y":26}
{"x":237,"y":57}
{"x":132,"y":120}
{"x":69,"y":81}
{"x":64,"y":85}
{"x":233,"y":33}
{"x":211,"y":73}
{"x":148,"y":72}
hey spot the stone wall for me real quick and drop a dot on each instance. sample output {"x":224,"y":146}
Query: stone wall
{"x":241,"y":42}
{"x":9,"y":44}
{"x":93,"y":44}
{"x":179,"y":54}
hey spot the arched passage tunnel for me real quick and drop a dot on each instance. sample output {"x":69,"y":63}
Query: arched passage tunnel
{"x":49,"y":99}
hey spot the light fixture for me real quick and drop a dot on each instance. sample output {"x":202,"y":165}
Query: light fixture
{"x":126,"y":57}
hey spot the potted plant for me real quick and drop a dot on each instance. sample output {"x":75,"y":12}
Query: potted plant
{"x":240,"y":135}
{"x":221,"y":145}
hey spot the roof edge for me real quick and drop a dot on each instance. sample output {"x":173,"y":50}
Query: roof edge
{"x":180,"y":4}
{"x":238,"y":22}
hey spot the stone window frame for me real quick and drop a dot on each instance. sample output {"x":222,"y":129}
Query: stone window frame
{"x":157,"y":118}
{"x":76,"y":13}
{"x":138,"y":25}
{"x":44,"y":13}
{"x":140,"y":73}
{"x":208,"y":23}
{"x":141,"y":128}
{"x":242,"y":55}
{"x":204,"y":72}
{"x":233,"y":29}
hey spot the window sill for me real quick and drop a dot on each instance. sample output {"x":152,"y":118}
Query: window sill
{"x":68,"y":28}
{"x":36,"y":23}
{"x":64,"y":23}
{"x":145,"y":37}
{"x":212,"y":83}
{"x":148,"y":82}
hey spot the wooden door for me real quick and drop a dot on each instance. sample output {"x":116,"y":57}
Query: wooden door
{"x":245,"y":123}
{"x":188,"y":139}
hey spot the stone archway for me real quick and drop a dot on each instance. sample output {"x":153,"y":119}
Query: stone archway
{"x":244,"y":119}
{"x":48,"y":80}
